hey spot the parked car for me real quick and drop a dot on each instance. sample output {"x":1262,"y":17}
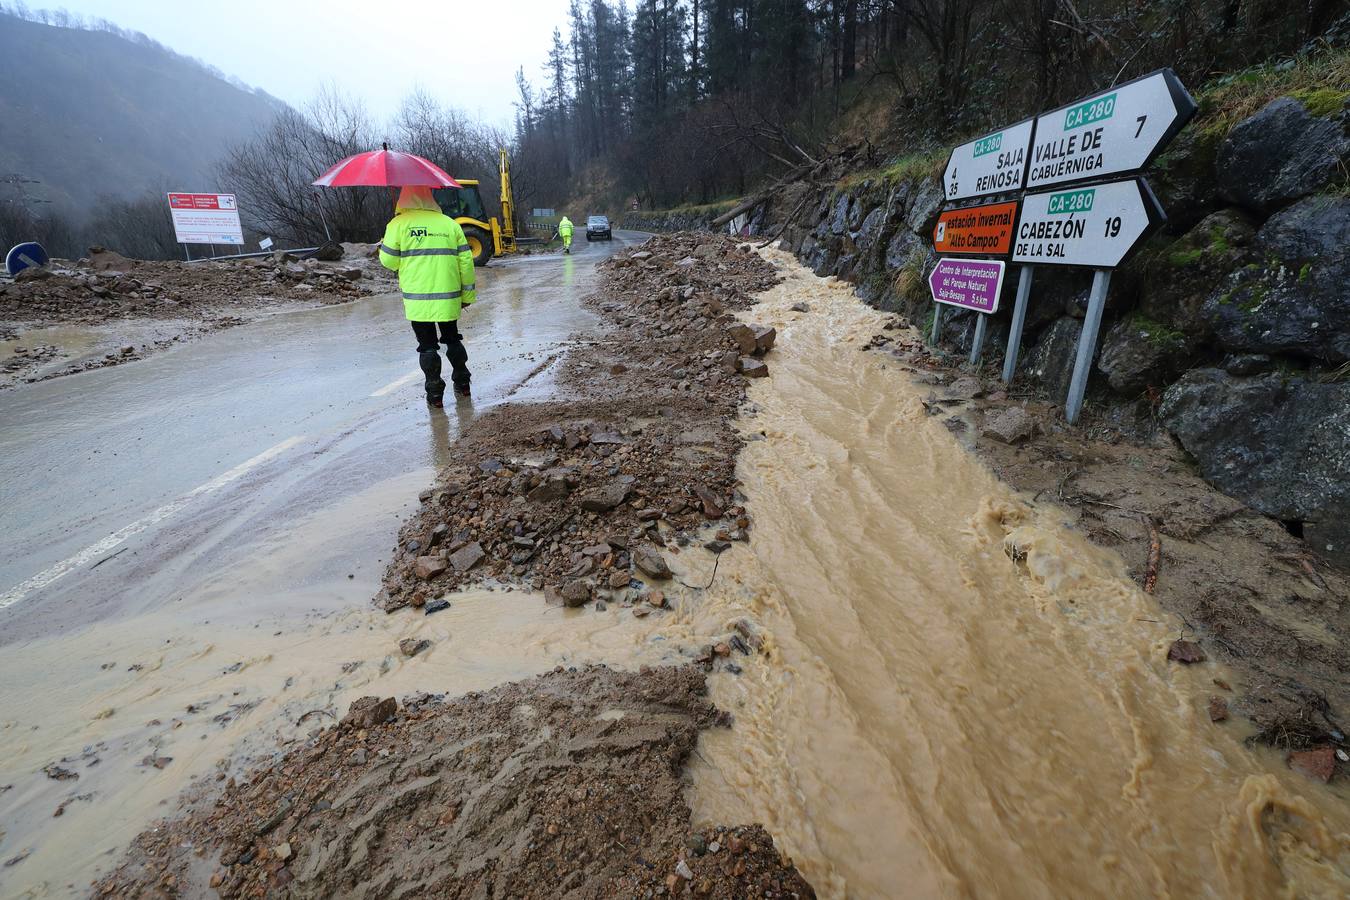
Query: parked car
{"x":597,"y":228}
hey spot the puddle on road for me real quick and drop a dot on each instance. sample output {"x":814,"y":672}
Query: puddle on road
{"x":72,"y":344}
{"x":964,"y":698}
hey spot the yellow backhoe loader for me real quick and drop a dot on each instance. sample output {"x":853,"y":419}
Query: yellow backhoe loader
{"x":486,"y":236}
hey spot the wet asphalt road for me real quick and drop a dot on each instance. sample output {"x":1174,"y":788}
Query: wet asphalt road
{"x":128,"y":488}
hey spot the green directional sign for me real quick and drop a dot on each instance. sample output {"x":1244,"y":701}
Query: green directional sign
{"x":993,"y":164}
{"x":1117,"y":131}
{"x":1097,"y":226}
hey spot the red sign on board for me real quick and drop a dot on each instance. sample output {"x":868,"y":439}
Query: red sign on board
{"x":201,"y":201}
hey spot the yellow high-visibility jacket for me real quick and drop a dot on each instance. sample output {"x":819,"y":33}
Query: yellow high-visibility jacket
{"x":565,"y":227}
{"x":434,"y":264}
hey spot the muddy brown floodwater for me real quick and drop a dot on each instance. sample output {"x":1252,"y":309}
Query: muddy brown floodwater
{"x":965,"y":697}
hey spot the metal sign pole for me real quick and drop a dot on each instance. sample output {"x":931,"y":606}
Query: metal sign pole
{"x":322,"y":218}
{"x":937,"y":323}
{"x":1019,"y":319}
{"x":1087,"y":344}
{"x":978,"y":347}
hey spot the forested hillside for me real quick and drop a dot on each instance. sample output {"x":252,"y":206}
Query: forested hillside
{"x":91,"y":110}
{"x":686,"y":101}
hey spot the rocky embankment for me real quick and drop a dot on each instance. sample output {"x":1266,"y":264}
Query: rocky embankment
{"x":567,"y":784}
{"x":585,"y":498}
{"x":1231,"y":328}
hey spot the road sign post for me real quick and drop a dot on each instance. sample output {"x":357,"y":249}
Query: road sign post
{"x":1069,"y":214}
{"x":1087,"y":344}
{"x":1019,"y":320}
{"x":977,"y":345}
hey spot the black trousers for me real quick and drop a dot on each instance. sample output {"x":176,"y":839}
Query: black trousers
{"x":429,"y":357}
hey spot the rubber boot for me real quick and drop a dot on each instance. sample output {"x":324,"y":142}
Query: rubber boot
{"x":430,"y":361}
{"x":459,"y":370}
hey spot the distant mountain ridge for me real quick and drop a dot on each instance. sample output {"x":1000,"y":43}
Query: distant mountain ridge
{"x":89,"y":113}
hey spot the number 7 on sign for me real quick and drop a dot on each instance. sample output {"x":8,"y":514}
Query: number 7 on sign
{"x":1141,"y":120}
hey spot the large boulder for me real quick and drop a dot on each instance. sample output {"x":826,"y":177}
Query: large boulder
{"x":1051,"y":361}
{"x":901,"y":246}
{"x":839,"y":218}
{"x":1174,"y":281}
{"x":1293,"y":299}
{"x":925,"y":202}
{"x":870,"y":231}
{"x":1279,"y":444}
{"x":1138,"y":353}
{"x":1279,"y":155}
{"x":1184,"y":178}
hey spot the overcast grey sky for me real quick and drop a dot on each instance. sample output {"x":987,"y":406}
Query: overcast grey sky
{"x":466,"y":54}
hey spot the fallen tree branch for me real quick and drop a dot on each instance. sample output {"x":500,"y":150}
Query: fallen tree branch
{"x":792,"y":216}
{"x":759,"y":197}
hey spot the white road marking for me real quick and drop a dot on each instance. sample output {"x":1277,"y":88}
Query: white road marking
{"x":46,"y":577}
{"x":395,"y":385}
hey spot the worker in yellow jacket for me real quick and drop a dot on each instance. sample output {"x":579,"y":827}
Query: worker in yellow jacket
{"x":565,"y":232}
{"x":435,"y":273}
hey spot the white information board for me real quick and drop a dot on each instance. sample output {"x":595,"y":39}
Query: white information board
{"x":205,"y":219}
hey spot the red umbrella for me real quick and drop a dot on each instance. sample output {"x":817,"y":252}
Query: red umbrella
{"x":385,"y":168}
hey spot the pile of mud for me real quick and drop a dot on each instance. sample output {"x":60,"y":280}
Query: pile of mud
{"x":1254,"y":596}
{"x":567,"y":784}
{"x":108,"y":286}
{"x":583,"y":497}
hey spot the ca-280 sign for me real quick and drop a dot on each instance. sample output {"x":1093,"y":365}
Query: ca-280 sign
{"x":1119,"y":130}
{"x":1097,"y":225}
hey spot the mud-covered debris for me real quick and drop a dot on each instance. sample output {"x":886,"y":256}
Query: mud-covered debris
{"x":651,"y":563}
{"x":413,"y":646}
{"x":605,"y":497}
{"x":468,"y":556}
{"x":645,"y":414}
{"x":1318,"y":764}
{"x":1009,"y":425}
{"x":748,"y":634}
{"x":435,"y":606}
{"x":367,"y":712}
{"x":598,"y":807}
{"x":744,"y":336}
{"x":801,"y":307}
{"x":59,"y":773}
{"x":1218,"y":709}
{"x":765,"y":336}
{"x":752,"y":368}
{"x":576,"y":593}
{"x":428,"y":567}
{"x":156,"y":761}
{"x":1184,"y":651}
